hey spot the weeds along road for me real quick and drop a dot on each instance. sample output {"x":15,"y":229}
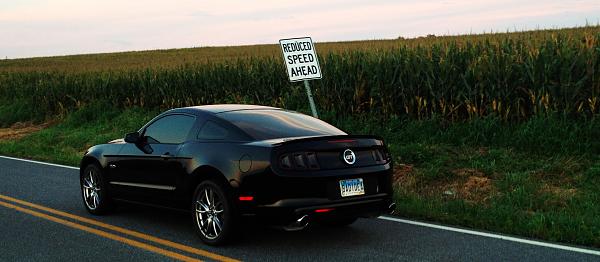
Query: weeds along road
{"x":42,"y":218}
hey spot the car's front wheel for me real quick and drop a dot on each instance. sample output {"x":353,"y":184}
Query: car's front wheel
{"x":95,"y":194}
{"x":214,"y":215}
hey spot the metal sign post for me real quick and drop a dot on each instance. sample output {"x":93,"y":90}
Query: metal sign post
{"x":313,"y":108}
{"x":302,"y":64}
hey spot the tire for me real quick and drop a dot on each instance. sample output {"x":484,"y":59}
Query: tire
{"x":339,"y":221}
{"x":213,"y":213}
{"x":94,"y":192}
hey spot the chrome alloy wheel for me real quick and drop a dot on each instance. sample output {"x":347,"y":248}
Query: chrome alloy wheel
{"x":91,"y":189}
{"x":209,"y":213}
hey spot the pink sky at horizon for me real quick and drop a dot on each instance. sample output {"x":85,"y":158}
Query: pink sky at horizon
{"x":31,"y":28}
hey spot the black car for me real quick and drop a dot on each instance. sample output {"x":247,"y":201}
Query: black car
{"x":226,"y":162}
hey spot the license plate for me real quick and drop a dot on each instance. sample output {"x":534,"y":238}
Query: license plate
{"x":352,"y":187}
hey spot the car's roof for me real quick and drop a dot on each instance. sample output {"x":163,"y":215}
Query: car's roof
{"x":215,"y":109}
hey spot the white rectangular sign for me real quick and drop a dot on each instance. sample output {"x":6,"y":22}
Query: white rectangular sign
{"x":300,"y":58}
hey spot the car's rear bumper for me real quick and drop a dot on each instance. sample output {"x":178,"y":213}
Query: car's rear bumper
{"x":279,"y":199}
{"x":288,"y":210}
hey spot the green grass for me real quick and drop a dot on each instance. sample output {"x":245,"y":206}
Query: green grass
{"x":66,"y":142}
{"x":552,"y":198}
{"x":542,"y":175}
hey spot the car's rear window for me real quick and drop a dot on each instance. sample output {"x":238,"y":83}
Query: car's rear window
{"x":270,"y":124}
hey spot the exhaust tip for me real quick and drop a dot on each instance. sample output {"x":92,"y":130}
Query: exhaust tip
{"x":299,"y":224}
{"x":302,"y":221}
{"x":392,"y":208}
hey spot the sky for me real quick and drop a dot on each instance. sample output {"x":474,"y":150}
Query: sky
{"x":31,"y":28}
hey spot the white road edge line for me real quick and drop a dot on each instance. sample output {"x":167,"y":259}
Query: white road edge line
{"x":411,"y":222}
{"x":38,"y":162}
{"x":490,"y":235}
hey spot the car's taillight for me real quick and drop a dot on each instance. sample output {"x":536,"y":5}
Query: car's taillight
{"x":377,"y":155}
{"x":380,"y":154}
{"x":285,"y":162}
{"x":299,"y":161}
{"x":312,"y":160}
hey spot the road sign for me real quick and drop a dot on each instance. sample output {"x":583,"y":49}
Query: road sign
{"x":302,"y":63}
{"x":300,"y":58}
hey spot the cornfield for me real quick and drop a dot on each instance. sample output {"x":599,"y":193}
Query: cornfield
{"x":513,"y":76}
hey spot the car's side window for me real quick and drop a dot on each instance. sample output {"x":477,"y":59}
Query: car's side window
{"x":212,"y":131}
{"x":171,"y":129}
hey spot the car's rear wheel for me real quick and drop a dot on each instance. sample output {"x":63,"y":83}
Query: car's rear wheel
{"x":339,"y":221}
{"x":214,"y":214}
{"x":96,"y":197}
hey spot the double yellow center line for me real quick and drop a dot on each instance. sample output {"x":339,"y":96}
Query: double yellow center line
{"x":108,"y":235}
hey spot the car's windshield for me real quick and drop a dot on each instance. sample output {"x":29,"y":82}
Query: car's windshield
{"x":270,"y":124}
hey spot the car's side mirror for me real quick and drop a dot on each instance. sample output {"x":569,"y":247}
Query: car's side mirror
{"x":132,"y":137}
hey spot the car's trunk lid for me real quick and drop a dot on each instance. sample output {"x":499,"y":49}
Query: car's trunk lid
{"x":294,"y":156}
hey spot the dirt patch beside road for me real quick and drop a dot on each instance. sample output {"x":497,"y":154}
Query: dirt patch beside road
{"x":21,"y":129}
{"x":469,"y":184}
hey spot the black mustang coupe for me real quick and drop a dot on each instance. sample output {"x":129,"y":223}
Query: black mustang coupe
{"x":226,"y":162}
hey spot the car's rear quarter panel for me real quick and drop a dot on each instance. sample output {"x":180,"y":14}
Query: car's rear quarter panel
{"x":233,"y":160}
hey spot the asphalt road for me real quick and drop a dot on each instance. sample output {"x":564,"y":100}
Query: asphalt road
{"x":42,"y":218}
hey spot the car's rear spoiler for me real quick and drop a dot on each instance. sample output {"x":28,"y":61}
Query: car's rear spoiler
{"x":357,"y":140}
